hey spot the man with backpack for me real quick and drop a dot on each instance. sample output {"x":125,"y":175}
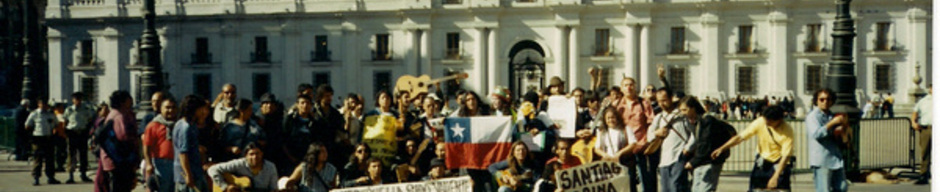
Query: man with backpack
{"x":119,"y":144}
{"x":712,"y":133}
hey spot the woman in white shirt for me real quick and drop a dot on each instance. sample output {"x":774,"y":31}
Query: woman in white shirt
{"x":612,"y":139}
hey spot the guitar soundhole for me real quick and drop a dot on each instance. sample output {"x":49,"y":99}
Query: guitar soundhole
{"x":421,"y":84}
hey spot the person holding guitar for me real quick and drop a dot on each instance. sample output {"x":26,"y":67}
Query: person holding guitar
{"x":673,"y":137}
{"x":251,"y":173}
{"x":825,"y":143}
{"x":517,"y":173}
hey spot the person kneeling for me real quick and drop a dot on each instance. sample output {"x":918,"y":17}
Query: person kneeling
{"x":261,"y":174}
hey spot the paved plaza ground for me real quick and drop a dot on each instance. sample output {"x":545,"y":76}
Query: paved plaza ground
{"x":16,"y":178}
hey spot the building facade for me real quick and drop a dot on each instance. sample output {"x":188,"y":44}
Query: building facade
{"x":710,"y":48}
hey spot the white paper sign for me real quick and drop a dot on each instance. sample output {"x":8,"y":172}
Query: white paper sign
{"x":564,"y":113}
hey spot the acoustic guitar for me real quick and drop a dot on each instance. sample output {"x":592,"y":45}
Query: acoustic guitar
{"x":243,"y":183}
{"x":505,"y":172}
{"x":658,"y":142}
{"x":417,"y":85}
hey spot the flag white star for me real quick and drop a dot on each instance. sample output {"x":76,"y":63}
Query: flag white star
{"x":458,"y":131}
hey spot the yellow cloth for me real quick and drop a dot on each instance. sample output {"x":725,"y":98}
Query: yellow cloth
{"x":379,"y":133}
{"x":766,"y":147}
{"x":584,"y":151}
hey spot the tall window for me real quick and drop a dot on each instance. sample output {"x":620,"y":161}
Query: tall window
{"x":677,"y":40}
{"x":881,"y":36}
{"x":678,"y":78}
{"x":746,"y":80}
{"x":453,"y":46}
{"x":89,"y":86}
{"x":381,"y":51}
{"x":744,"y":39}
{"x":261,"y":84}
{"x":203,"y":86}
{"x":883,"y":77}
{"x":261,"y":53}
{"x":321,"y":78}
{"x":381,"y":81}
{"x":814,"y":78}
{"x":202,"y":54}
{"x":322,"y":52}
{"x":602,"y":42}
{"x":87,"y":50}
{"x":812,"y":38}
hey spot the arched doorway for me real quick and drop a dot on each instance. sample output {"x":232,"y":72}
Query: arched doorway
{"x":527,"y":67}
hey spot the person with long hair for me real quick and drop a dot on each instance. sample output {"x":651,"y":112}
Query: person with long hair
{"x":517,"y":173}
{"x":473,"y":106}
{"x":262,"y":174}
{"x":712,"y":133}
{"x":299,"y":125}
{"x":383,"y":139}
{"x":315,"y":174}
{"x":240,"y":131}
{"x":825,"y":147}
{"x":355,"y":171}
{"x":190,"y":176}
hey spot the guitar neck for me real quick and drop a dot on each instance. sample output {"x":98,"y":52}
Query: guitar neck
{"x":457,"y":76}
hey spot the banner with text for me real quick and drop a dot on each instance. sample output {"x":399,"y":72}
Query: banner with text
{"x":598,"y":176}
{"x":379,"y":133}
{"x":459,"y":184}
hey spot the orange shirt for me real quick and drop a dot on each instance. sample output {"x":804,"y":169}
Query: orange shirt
{"x":155,"y":138}
{"x":637,"y":116}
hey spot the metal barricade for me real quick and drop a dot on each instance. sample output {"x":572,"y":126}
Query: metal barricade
{"x":884,"y":143}
{"x":7,"y":134}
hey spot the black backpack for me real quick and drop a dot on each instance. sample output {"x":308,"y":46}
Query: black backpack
{"x":120,"y":153}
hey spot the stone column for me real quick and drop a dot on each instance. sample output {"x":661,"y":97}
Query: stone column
{"x":709,"y":69}
{"x":779,"y":55}
{"x":426,"y":64}
{"x":494,"y":66}
{"x":560,"y":64}
{"x":630,"y":55}
{"x":646,"y":72}
{"x":573,"y":57}
{"x":479,"y":76}
{"x":59,"y":62}
{"x":917,"y":41}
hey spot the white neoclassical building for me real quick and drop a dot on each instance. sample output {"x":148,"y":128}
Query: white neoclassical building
{"x":716,"y":48}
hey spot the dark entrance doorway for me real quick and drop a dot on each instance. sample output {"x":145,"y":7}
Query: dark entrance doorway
{"x":527,"y":67}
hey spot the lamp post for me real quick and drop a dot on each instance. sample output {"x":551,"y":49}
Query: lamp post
{"x":841,"y":79}
{"x":32,"y":55}
{"x":151,"y":71}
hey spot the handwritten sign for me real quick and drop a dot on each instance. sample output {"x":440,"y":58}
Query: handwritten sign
{"x":379,"y":134}
{"x":597,"y":176}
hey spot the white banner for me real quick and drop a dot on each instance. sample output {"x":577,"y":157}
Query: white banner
{"x":597,"y":176}
{"x":564,"y":113}
{"x":458,"y":184}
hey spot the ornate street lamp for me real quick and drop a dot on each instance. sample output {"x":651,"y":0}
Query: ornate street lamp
{"x":842,"y":80}
{"x":151,"y":70}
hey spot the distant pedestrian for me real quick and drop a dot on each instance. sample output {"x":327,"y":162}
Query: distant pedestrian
{"x":41,"y":122}
{"x":78,"y":119}
{"x":922,"y":119}
{"x":22,"y":150}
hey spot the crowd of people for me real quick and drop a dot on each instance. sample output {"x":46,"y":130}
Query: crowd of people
{"x":668,"y":141}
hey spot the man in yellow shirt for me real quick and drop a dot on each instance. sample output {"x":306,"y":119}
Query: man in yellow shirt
{"x":774,"y":145}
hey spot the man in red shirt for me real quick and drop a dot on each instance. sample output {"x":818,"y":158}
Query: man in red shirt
{"x":158,"y":148}
{"x":563,"y":155}
{"x":637,"y":115}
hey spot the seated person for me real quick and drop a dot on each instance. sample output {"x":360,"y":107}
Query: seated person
{"x":438,"y":170}
{"x":314,"y":174}
{"x":516,"y":173}
{"x":261,"y":173}
{"x":548,"y":183}
{"x":563,"y":155}
{"x":405,"y":164}
{"x":357,"y":166}
{"x":374,"y":176}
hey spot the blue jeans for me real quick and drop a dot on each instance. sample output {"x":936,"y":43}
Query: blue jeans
{"x":829,"y":180}
{"x":646,"y":170}
{"x":163,"y":171}
{"x":200,"y":184}
{"x":674,"y":178}
{"x":705,"y":177}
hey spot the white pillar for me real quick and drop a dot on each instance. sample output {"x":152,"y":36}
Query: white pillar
{"x":779,"y":57}
{"x":351,"y":63}
{"x":60,"y":77}
{"x":232,"y":57}
{"x":645,"y":73}
{"x":573,"y":57}
{"x":294,"y":57}
{"x":105,"y":50}
{"x":478,"y":77}
{"x":706,"y":81}
{"x":630,"y":65}
{"x":493,"y":67}
{"x":918,"y":42}
{"x":561,"y":56}
{"x":426,"y":65}
{"x":411,"y":57}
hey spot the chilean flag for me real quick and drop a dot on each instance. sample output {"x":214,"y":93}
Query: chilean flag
{"x":476,"y":142}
